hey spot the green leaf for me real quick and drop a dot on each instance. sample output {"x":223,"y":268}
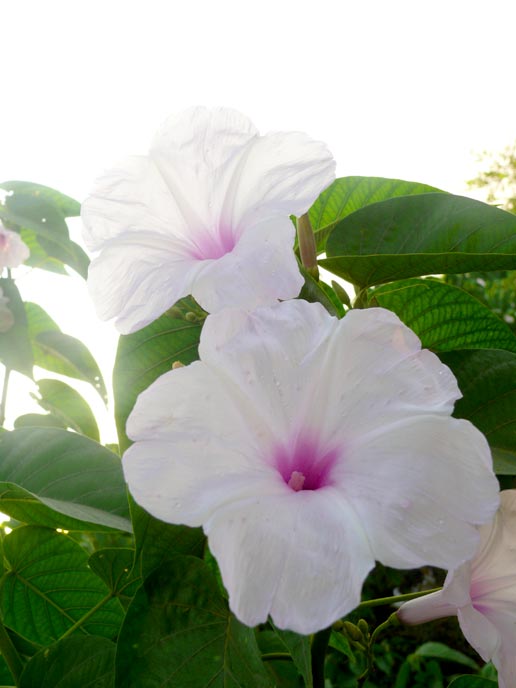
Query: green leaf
{"x":178,"y":631}
{"x":469,"y":681}
{"x":504,"y":462}
{"x":67,"y":404}
{"x":298,"y":646}
{"x":39,"y":420}
{"x":442,"y":651}
{"x":145,"y":355}
{"x":425,"y":234}
{"x":62,"y":480}
{"x":50,"y":588}
{"x":15,"y":346}
{"x":158,"y":542}
{"x":86,"y":662}
{"x":487,"y":380}
{"x":314,"y":291}
{"x":444,"y":317}
{"x":115,"y":567}
{"x":348,"y":194}
{"x":43,"y":216}
{"x":66,"y":205}
{"x":60,"y":352}
{"x":38,"y":257}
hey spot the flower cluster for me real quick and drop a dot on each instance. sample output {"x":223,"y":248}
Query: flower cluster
{"x":307,"y":447}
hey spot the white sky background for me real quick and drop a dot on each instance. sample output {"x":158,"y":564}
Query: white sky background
{"x":397,"y":88}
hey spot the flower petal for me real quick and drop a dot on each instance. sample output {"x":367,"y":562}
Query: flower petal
{"x":419,"y":487}
{"x":133,"y":196}
{"x":480,"y":632}
{"x":368,"y":368}
{"x":261,"y":269}
{"x":282,"y":174}
{"x":264,"y":354}
{"x":138,"y":276}
{"x":197,"y":153}
{"x":194,"y":448}
{"x":302,"y":558}
{"x":427,"y":608}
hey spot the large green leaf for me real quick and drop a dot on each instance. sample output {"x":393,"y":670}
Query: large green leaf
{"x":425,"y":234}
{"x":50,"y":587}
{"x":448,"y":654}
{"x":178,"y":631}
{"x":298,"y":647}
{"x":66,"y":205}
{"x":38,"y":257}
{"x":348,"y":194}
{"x":487,"y":380}
{"x":15,"y":346}
{"x":85,"y":662}
{"x":156,"y":541}
{"x":59,"y":352}
{"x":62,"y":480}
{"x":67,"y":404}
{"x":444,"y":317}
{"x":115,"y":567}
{"x":145,"y":355}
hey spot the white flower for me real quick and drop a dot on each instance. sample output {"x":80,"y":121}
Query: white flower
{"x":308,"y":447}
{"x":482,"y":593}
{"x":6,"y":316}
{"x":206,"y":213}
{"x":13,"y":250}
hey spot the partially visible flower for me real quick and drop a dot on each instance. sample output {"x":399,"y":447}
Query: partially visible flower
{"x":13,"y":250}
{"x":6,"y":316}
{"x":205,"y":213}
{"x":482,"y":593}
{"x":307,"y":447}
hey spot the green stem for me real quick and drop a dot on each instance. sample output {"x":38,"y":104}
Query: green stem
{"x":319,"y":647}
{"x":307,"y":247}
{"x":88,"y":615}
{"x":3,"y":401}
{"x":271,"y":656}
{"x":9,"y":653}
{"x":396,"y":598}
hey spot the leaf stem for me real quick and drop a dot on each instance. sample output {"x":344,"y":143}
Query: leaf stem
{"x":396,"y":598}
{"x":3,"y":400}
{"x":88,"y":614}
{"x":9,"y":653}
{"x":319,"y":646}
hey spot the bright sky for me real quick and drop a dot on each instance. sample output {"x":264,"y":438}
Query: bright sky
{"x":398,"y":89}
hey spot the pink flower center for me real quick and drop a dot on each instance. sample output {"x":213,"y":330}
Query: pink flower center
{"x":212,"y":243}
{"x":303,"y":465}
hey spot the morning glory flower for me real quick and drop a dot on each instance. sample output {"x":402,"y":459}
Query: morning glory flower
{"x":482,"y":594}
{"x":307,"y":447}
{"x":13,"y":250}
{"x":205,"y":213}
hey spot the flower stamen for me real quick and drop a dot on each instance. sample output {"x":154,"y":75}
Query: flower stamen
{"x":297,"y":480}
